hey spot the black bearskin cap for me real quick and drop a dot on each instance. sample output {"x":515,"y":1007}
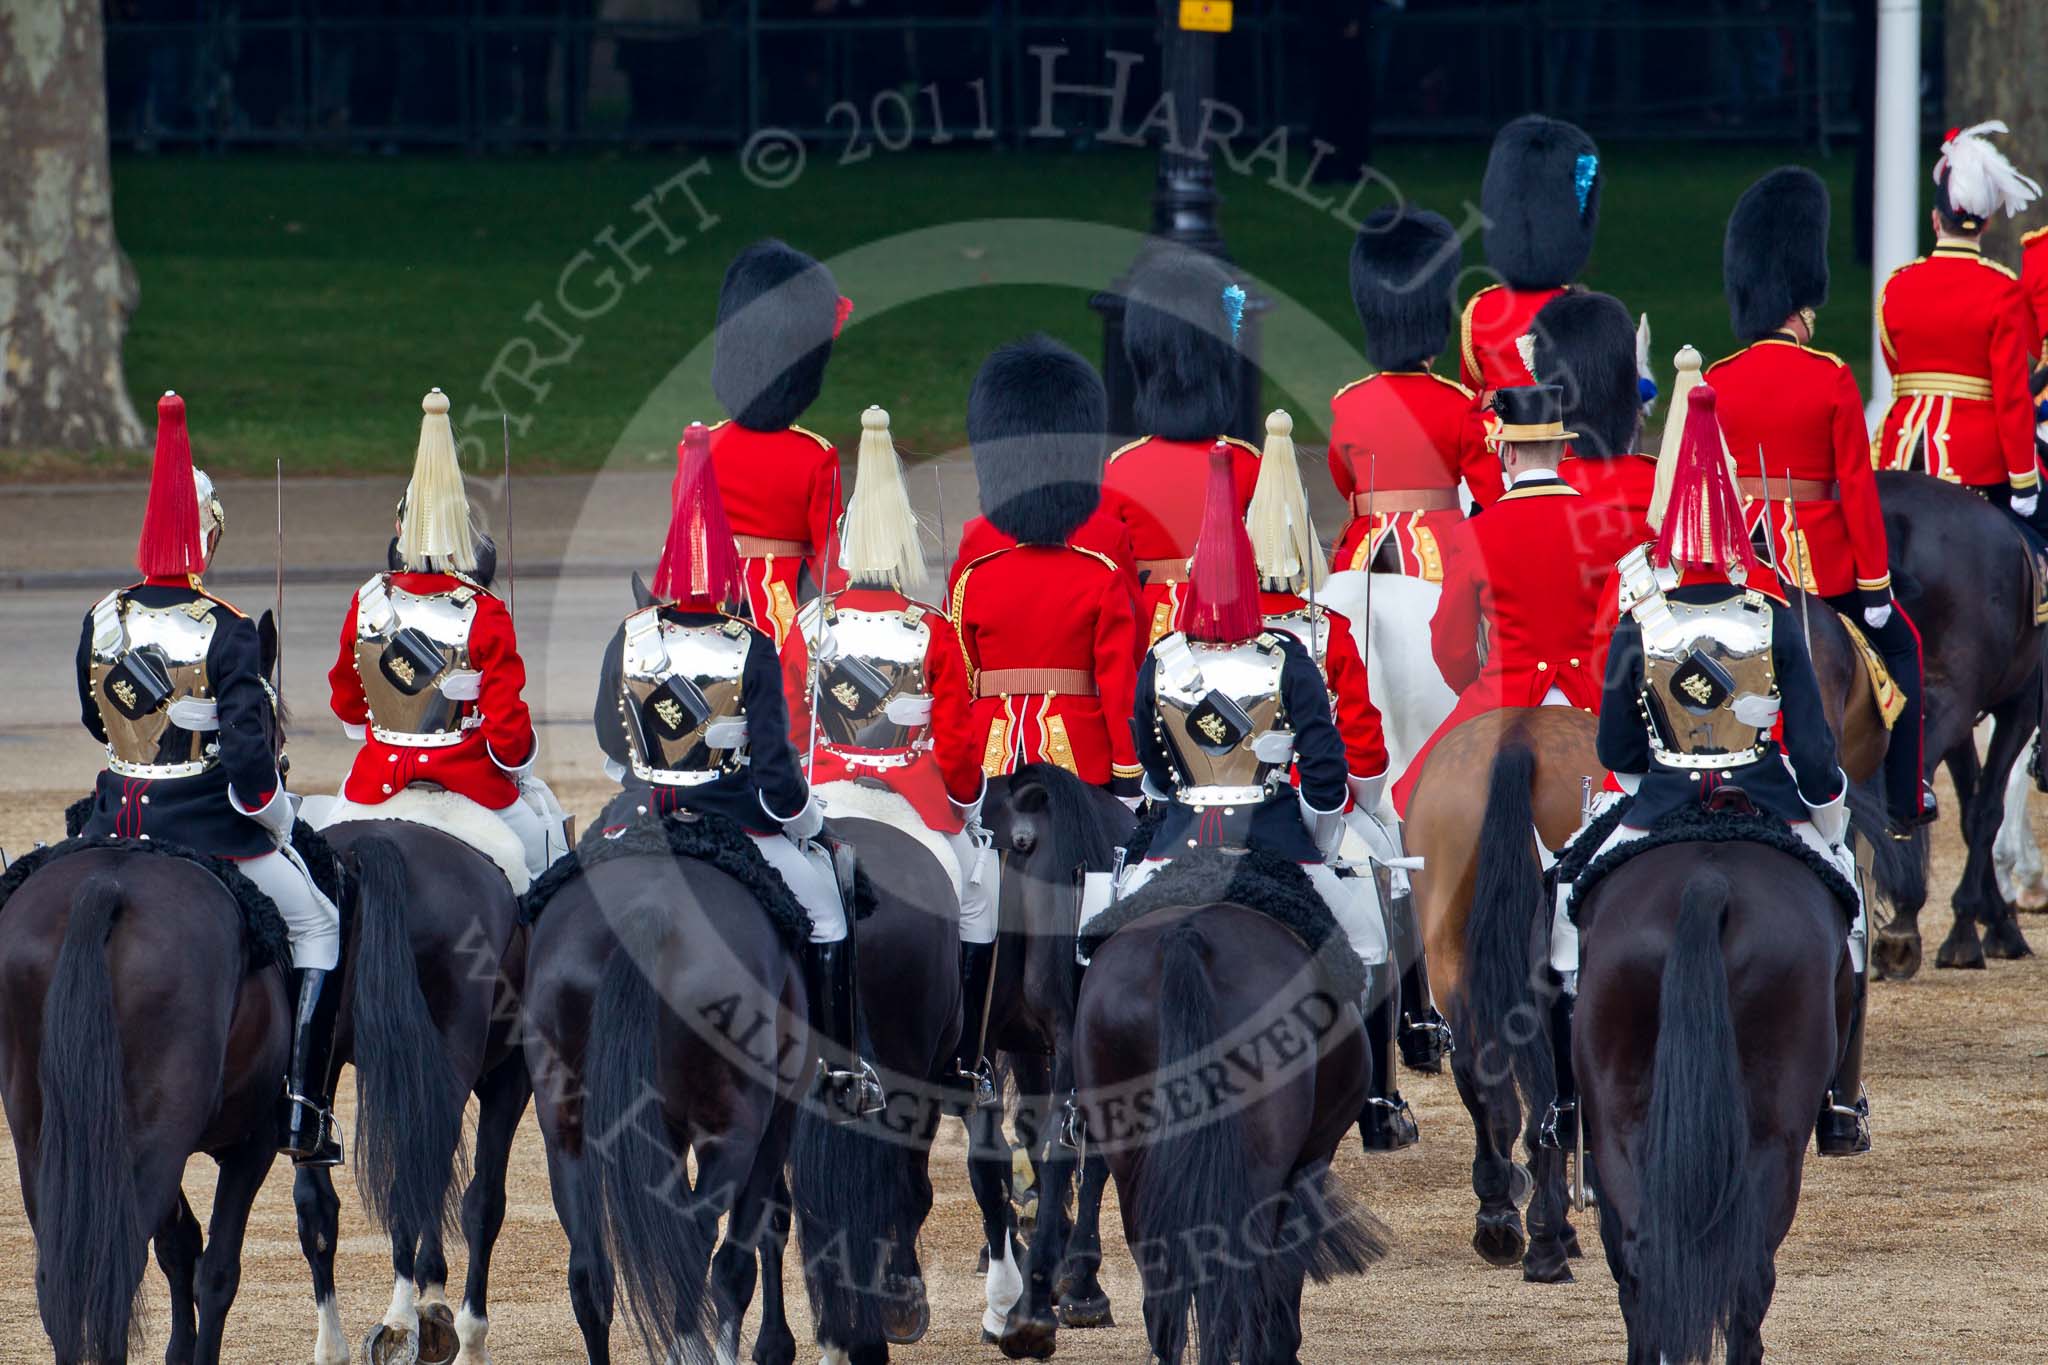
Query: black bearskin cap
{"x":1774,"y":260}
{"x":776,"y":312}
{"x":1038,"y":421}
{"x":1177,"y":337}
{"x":1404,"y":265}
{"x":1586,"y":345}
{"x":1538,"y":232}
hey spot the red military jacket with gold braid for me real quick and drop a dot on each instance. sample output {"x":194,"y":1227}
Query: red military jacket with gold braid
{"x":1408,"y":438}
{"x":2034,"y":280}
{"x":1798,"y":410}
{"x":1156,"y":487}
{"x":1958,"y":336}
{"x":782,"y":494}
{"x":1049,"y":643}
{"x":1494,"y":319}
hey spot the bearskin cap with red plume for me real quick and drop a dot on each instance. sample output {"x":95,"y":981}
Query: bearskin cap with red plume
{"x":1223,"y":580}
{"x":700,"y":563}
{"x":171,"y":543}
{"x":1703,"y":523}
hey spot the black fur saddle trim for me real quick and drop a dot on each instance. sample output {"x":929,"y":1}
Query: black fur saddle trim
{"x":1571,"y":863}
{"x":1273,"y":886}
{"x":1697,"y":824}
{"x":712,"y":839}
{"x":1144,"y":832}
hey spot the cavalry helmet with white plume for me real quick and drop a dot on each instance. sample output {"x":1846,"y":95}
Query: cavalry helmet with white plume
{"x":1284,"y":543}
{"x":435,"y":529}
{"x":880,"y":542}
{"x":1973,"y":180}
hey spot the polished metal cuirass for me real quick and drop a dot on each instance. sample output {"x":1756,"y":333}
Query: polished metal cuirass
{"x":1311,"y":626}
{"x":412,"y":654}
{"x":681,"y":697}
{"x":1699,"y":663}
{"x":1213,"y":703}
{"x":147,"y":663}
{"x":879,"y":660}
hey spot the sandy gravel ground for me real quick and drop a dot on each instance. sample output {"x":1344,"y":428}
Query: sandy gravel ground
{"x":1929,"y":1249}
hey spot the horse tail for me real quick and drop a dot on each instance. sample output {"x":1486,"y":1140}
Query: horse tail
{"x":91,"y":1244}
{"x":855,"y":1182}
{"x":1898,"y":867}
{"x":1507,"y":904}
{"x":1701,"y":1237}
{"x":659,"y":1239}
{"x":409,"y":1101}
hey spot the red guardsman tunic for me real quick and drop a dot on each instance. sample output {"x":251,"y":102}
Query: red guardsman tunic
{"x":1103,"y":533}
{"x":1156,"y":487}
{"x":1959,"y":337}
{"x":1402,"y":441}
{"x":2034,"y":280}
{"x":1801,"y":409}
{"x":1358,"y":720}
{"x":1496,"y":318}
{"x":1623,"y":486}
{"x":782,"y":495}
{"x":1050,"y":649}
{"x":473,"y":767}
{"x":949,"y":766}
{"x":1531,"y":572}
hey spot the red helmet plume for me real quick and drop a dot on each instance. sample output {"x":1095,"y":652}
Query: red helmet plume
{"x":1223,"y":582}
{"x":699,"y":562}
{"x":171,"y":544}
{"x":1703,"y":523}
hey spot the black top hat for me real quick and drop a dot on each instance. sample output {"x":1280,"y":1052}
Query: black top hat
{"x":1534,"y":412}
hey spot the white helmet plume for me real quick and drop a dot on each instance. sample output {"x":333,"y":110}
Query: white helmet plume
{"x":881,"y":541}
{"x":436,"y":527}
{"x":1283,"y":542}
{"x":1980,"y":179}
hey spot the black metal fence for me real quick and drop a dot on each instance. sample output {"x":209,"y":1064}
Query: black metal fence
{"x":483,"y":74}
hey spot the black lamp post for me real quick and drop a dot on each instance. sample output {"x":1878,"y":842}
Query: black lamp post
{"x":1184,"y":201}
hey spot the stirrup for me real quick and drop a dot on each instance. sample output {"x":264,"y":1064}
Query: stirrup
{"x":1073,"y":1129}
{"x":1425,"y":1042}
{"x":852,"y":1094}
{"x":1388,"y":1124}
{"x":1843,"y":1130}
{"x":980,"y":1083}
{"x":326,"y":1142}
{"x":1560,"y":1120}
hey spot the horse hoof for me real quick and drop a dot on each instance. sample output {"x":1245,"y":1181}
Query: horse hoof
{"x":1551,"y":1265}
{"x":387,"y":1345}
{"x":1894,"y":956}
{"x":908,"y":1313}
{"x":1498,"y":1239}
{"x":2003,"y":940}
{"x":438,"y":1343}
{"x":1961,"y":949}
{"x":781,"y":1350}
{"x":1031,"y":1339}
{"x":1085,"y":1311}
{"x":1521,"y":1182}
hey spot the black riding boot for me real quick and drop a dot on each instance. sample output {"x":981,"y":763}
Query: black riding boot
{"x":1386,"y":1124}
{"x":1424,"y":1036}
{"x":309,"y":1137}
{"x":1560,"y":1125}
{"x":1844,"y":1125}
{"x":972,"y":1075}
{"x":849,"y":1084}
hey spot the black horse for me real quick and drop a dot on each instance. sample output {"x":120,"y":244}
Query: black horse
{"x":1220,"y":1068}
{"x":666,"y":1017}
{"x":433,"y":962}
{"x":1963,"y":570}
{"x":134,"y":1035}
{"x":863,"y":1190}
{"x":1049,"y":827}
{"x":1714,"y":998}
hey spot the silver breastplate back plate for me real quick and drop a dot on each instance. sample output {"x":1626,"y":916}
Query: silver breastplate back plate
{"x":1698,"y":662}
{"x":681,"y":698}
{"x":880,"y":661}
{"x":145,"y":660}
{"x":412,"y":651}
{"x":1311,"y":626}
{"x":1213,"y":702}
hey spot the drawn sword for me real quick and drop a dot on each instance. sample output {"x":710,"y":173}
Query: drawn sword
{"x":826,"y":558}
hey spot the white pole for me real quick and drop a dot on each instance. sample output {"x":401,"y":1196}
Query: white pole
{"x":1895,"y":200}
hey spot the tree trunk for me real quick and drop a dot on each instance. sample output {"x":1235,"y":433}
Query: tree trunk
{"x":1995,"y":69}
{"x":65,"y":288}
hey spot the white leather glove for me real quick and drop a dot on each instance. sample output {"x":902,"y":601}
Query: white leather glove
{"x":354,"y":731}
{"x":970,"y":812}
{"x":1875,"y":617}
{"x":1367,"y":791}
{"x":518,"y":772}
{"x":806,"y":823}
{"x":1131,"y":803}
{"x":275,"y":815}
{"x":1325,"y":828}
{"x":2024,"y":506}
{"x":1832,"y":819}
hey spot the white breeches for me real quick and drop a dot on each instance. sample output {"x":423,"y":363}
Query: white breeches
{"x":311,"y":920}
{"x":1354,"y":902}
{"x":1564,"y":935}
{"x":978,"y":875}
{"x":808,"y":870}
{"x":537,"y":818}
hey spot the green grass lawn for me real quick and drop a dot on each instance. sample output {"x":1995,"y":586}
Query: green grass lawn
{"x":302,"y":305}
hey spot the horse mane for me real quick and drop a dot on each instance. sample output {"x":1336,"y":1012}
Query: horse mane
{"x":1075,"y":811}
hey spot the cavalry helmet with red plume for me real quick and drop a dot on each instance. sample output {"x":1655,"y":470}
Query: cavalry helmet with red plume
{"x":1223,"y":578}
{"x":183,"y":519}
{"x":700,"y":565}
{"x":1703,"y":523}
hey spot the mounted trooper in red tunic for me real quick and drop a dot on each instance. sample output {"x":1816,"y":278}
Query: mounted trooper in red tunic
{"x":171,"y":680}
